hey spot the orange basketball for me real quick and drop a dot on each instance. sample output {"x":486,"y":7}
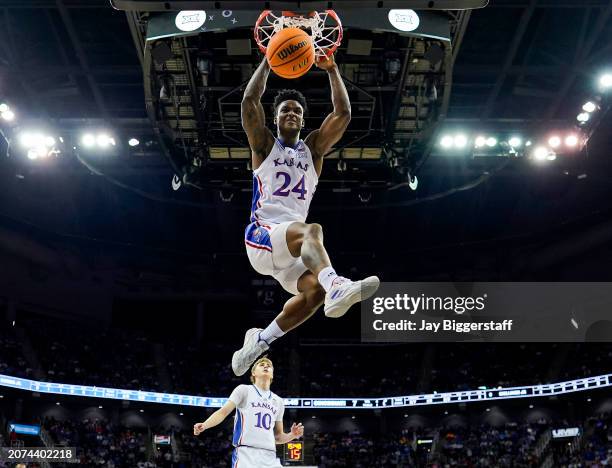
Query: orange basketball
{"x":290,"y":53}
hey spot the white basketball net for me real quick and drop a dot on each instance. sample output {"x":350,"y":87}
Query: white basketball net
{"x":325,"y":30}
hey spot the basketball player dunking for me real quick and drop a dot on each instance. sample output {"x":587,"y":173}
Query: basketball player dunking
{"x":278,"y":241}
{"x":258,"y":424}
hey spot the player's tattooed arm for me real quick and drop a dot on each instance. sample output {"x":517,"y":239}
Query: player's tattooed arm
{"x":253,"y":115}
{"x":333,"y":127}
{"x":297,"y":431}
{"x":214,"y":419}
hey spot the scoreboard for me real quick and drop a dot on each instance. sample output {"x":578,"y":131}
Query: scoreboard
{"x":294,"y":452}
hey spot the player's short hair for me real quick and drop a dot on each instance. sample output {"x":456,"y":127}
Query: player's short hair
{"x":256,"y":363}
{"x":289,"y":95}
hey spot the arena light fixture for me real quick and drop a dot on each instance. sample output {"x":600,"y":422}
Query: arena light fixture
{"x":589,"y":107}
{"x":460,"y":141}
{"x":4,"y":107}
{"x":583,"y":117}
{"x":36,"y":153}
{"x":31,"y":139}
{"x":37,"y":145}
{"x":8,"y":115}
{"x":554,"y":141}
{"x":491,"y":142}
{"x":99,"y":140}
{"x":540,"y":153}
{"x":515,"y":142}
{"x":571,"y":141}
{"x":104,"y":141}
{"x":88,"y":140}
{"x":133,"y":142}
{"x":480,"y":141}
{"x":528,"y":143}
{"x":605,"y":81}
{"x":551,"y":157}
{"x":447,"y":141}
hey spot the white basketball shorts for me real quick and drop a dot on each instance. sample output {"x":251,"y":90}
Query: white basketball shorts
{"x":251,"y":457}
{"x":266,"y":246}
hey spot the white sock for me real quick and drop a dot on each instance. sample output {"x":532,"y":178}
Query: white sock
{"x":271,"y":333}
{"x":326,"y":277}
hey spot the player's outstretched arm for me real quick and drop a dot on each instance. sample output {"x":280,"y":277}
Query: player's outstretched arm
{"x":333,"y":127}
{"x":297,"y":431}
{"x":214,"y":419}
{"x":253,"y":115}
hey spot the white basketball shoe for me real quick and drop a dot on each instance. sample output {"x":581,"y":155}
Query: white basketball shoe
{"x":251,"y":349}
{"x":344,"y":293}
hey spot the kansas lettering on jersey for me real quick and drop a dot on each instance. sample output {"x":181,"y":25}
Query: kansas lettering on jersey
{"x":256,"y":413}
{"x":284,"y":184}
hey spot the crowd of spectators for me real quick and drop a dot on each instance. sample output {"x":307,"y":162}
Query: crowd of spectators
{"x":12,"y":360}
{"x":191,"y":367}
{"x":76,"y":353}
{"x":420,"y":368}
{"x":357,"y":450}
{"x":597,"y":445}
{"x":89,"y":355}
{"x":514,"y":444}
{"x":99,"y":442}
{"x":213,"y":449}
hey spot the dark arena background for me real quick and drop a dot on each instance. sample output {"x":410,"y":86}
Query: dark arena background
{"x":479,"y":150}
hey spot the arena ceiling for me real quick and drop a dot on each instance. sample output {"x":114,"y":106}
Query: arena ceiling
{"x":518,"y":63}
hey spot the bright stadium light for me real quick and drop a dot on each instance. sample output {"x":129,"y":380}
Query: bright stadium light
{"x":460,"y":141}
{"x":4,"y":107}
{"x":103,"y":140}
{"x":28,"y":140}
{"x":528,"y":143}
{"x":32,"y":154}
{"x":515,"y":142}
{"x":583,"y":117}
{"x":540,"y":153}
{"x":88,"y":140}
{"x":480,"y":141}
{"x":8,"y":115}
{"x":589,"y":107}
{"x":447,"y":141}
{"x":491,"y":142}
{"x":571,"y":141}
{"x":554,"y":141}
{"x":37,"y":145}
{"x":551,"y":157}
{"x":133,"y":142}
{"x":605,"y":81}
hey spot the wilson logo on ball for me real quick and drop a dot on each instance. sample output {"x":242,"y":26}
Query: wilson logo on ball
{"x":287,"y":51}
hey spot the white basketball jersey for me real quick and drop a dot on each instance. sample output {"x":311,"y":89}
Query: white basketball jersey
{"x":284,"y":184}
{"x":256,"y":413}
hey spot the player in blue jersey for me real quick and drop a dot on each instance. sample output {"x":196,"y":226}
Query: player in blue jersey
{"x":279,"y":241}
{"x":258,"y":423}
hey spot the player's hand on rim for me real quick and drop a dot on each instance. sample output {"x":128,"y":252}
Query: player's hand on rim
{"x":297,"y":430}
{"x":326,"y":63}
